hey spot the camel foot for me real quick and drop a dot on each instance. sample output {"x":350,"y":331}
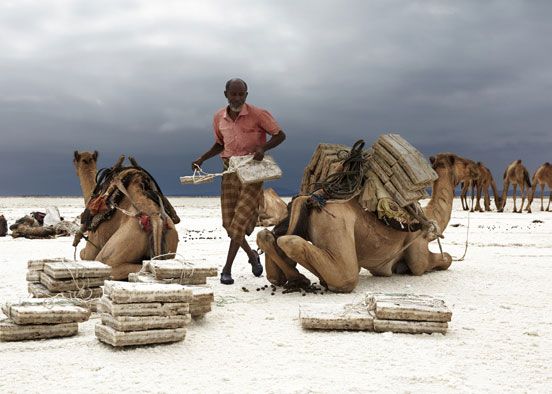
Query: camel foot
{"x":301,"y":282}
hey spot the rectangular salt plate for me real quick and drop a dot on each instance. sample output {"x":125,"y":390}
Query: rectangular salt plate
{"x":141,"y":323}
{"x":45,"y":311}
{"x":128,"y":292}
{"x":38,"y":290}
{"x":33,"y":276}
{"x":336,"y":317}
{"x":144,"y":308}
{"x":174,"y":269}
{"x":397,"y":306}
{"x":69,"y":284}
{"x":77,"y":269}
{"x":38,"y":265}
{"x":120,"y":338}
{"x":410,"y":327}
{"x":9,"y":331}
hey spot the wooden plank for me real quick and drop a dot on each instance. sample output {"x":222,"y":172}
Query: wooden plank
{"x":336,"y":317}
{"x":45,"y":311}
{"x":9,"y":331}
{"x":120,"y":338}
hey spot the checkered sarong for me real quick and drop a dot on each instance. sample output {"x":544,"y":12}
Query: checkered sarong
{"x":240,"y":206}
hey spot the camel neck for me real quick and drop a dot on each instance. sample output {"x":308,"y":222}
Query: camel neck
{"x":439,"y":207}
{"x":88,"y":183}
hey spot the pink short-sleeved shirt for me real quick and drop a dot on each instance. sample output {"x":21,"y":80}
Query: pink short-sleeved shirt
{"x":240,"y":137}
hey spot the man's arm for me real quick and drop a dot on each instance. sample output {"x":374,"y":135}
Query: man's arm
{"x":274,"y":141}
{"x":215,"y":150}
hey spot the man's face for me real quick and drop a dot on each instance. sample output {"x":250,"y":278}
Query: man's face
{"x":236,"y":95}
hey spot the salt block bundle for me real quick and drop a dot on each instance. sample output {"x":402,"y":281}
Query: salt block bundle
{"x":143,"y":313}
{"x":71,"y":279}
{"x":325,"y":161}
{"x":402,"y":169}
{"x":180,"y":271}
{"x":41,"y":318}
{"x":401,"y":313}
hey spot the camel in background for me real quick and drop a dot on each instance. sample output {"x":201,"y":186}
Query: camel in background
{"x":135,"y":223}
{"x":467,"y":173}
{"x":482,"y":184}
{"x":340,"y":239}
{"x":272,"y":209}
{"x":515,"y":174}
{"x":542,"y":177}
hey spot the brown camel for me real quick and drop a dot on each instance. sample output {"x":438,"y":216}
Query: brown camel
{"x":482,"y":184}
{"x":542,"y":177}
{"x":123,"y":239}
{"x":272,"y":209}
{"x":342,"y":238}
{"x":468,"y":172}
{"x":515,"y":174}
{"x":85,"y":164}
{"x":3,"y":226}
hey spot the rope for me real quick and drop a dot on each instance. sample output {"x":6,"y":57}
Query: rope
{"x":466,"y":244}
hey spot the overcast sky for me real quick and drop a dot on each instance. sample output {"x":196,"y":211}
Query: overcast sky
{"x":144,"y":78}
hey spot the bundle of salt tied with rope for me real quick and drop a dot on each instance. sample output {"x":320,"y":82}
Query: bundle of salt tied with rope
{"x":41,"y":319}
{"x":143,"y":313}
{"x":246,"y":168}
{"x":389,"y":179}
{"x":393,"y":312}
{"x":193,"y":275}
{"x":77,"y":280}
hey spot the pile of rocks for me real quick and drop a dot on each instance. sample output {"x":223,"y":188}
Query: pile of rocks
{"x":71,"y":279}
{"x":192,"y":275}
{"x":402,"y":313}
{"x":41,"y":318}
{"x":143,"y":313}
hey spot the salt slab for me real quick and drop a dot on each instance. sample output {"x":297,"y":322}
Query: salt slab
{"x":69,"y":284}
{"x":336,"y":317}
{"x":38,"y":290}
{"x":33,"y":276}
{"x":174,"y":269}
{"x":144,"y":308}
{"x":397,"y":306}
{"x":410,"y":327}
{"x":128,"y":292}
{"x":38,"y":265}
{"x":120,"y":338}
{"x":140,"y":323}
{"x":45,"y":311}
{"x":9,"y":331}
{"x":77,"y":269}
{"x":148,"y":277}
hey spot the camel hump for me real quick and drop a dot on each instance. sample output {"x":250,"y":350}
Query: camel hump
{"x":518,"y":161}
{"x":547,"y":164}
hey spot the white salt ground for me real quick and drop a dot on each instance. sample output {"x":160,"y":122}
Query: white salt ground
{"x":500,"y":337}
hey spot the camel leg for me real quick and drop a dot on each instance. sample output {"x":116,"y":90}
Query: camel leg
{"x":463,"y":194}
{"x":515,"y":192}
{"x":478,"y":205}
{"x":339,"y":270}
{"x":549,"y":200}
{"x":472,"y":195}
{"x":420,"y":260}
{"x":542,"y":196}
{"x":504,"y":195}
{"x":279,"y":268}
{"x":125,"y":250}
{"x":487,"y":200}
{"x":89,"y":252}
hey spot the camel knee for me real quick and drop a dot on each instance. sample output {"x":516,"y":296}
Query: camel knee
{"x":343,"y":285}
{"x":264,"y":239}
{"x":292,"y":246}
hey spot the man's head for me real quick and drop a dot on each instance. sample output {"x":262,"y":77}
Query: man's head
{"x":236,"y":93}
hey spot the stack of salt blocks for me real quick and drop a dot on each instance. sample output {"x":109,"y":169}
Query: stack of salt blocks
{"x":71,"y":279}
{"x":192,"y":275}
{"x":143,"y":313}
{"x":380,"y":312}
{"x":41,"y":318}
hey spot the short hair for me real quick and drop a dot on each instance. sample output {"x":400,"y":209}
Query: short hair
{"x":230,"y":81}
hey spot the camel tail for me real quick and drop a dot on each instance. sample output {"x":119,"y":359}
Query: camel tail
{"x":299,"y":217}
{"x":498,"y":201}
{"x":526,"y":177}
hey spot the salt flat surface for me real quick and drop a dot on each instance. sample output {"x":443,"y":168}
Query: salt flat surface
{"x":499,"y":339}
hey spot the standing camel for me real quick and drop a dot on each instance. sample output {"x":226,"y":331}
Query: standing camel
{"x":340,"y":239}
{"x":542,"y":177}
{"x":482,"y":184}
{"x":515,"y":174}
{"x":135,"y":226}
{"x":467,"y":173}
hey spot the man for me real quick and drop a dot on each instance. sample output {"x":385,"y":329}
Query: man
{"x":240,"y":129}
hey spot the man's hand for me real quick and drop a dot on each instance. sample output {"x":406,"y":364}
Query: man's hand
{"x":196,"y":165}
{"x":259,"y":153}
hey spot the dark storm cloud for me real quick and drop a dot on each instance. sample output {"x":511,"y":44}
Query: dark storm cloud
{"x":144,"y":79}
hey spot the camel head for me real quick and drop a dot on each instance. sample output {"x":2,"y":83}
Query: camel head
{"x":445,"y":163}
{"x":85,"y":162}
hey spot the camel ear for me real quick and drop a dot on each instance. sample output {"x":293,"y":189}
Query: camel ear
{"x":77,"y":155}
{"x":452,"y":159}
{"x":432,"y":159}
{"x":95,"y":155}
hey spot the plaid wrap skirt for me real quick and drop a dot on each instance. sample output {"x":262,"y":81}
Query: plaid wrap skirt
{"x":240,"y":206}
